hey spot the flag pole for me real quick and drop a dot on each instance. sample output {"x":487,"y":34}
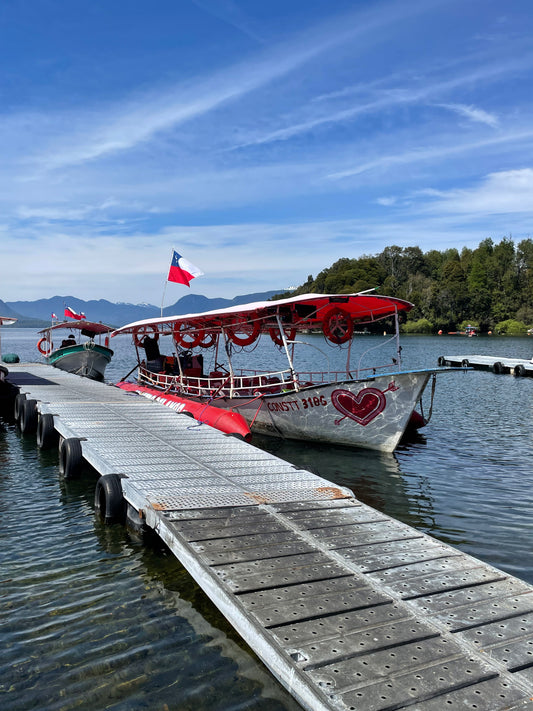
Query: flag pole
{"x":166,"y":282}
{"x":163,"y":299}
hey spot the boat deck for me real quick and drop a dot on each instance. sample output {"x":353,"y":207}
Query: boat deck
{"x":348,"y":608}
{"x":497,"y":364}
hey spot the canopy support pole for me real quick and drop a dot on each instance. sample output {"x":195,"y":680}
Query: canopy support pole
{"x":286,"y":346}
{"x":230,"y":364}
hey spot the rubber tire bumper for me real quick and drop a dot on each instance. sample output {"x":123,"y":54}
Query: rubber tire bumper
{"x":46,"y":432}
{"x":109,"y":500}
{"x":70,"y":457}
{"x":28,"y":416}
{"x":17,"y":407}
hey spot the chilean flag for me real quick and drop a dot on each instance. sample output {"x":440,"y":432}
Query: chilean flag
{"x":181,"y":270}
{"x":70,"y":313}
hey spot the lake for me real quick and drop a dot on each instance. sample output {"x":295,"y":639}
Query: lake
{"x":91,"y":618}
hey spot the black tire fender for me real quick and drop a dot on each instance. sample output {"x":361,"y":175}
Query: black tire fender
{"x":465,"y":363}
{"x":70,"y":457}
{"x":519,"y":371}
{"x":497,"y":367}
{"x":441,"y":360}
{"x":109,"y":500}
{"x":17,"y":407}
{"x":46,"y":432}
{"x":28,"y":416}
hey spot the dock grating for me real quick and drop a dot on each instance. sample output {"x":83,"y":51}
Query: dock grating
{"x":349,"y":609}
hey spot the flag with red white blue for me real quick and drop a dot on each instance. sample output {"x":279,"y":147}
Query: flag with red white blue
{"x":181,"y":270}
{"x":70,"y":313}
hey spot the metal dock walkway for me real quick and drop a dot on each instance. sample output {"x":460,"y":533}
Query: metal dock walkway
{"x":348,"y":608}
{"x":497,"y":364}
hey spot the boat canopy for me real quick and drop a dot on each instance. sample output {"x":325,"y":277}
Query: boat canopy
{"x":88,"y":328}
{"x":297,"y":313}
{"x":7,"y":320}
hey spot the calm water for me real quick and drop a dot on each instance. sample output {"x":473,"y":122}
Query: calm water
{"x":91,"y":618}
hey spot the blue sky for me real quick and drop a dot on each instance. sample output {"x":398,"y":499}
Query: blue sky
{"x":262,"y":140}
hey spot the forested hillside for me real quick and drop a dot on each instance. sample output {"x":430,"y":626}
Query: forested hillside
{"x":490,"y":287}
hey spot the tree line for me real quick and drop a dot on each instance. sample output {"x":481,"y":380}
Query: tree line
{"x":490,"y":287}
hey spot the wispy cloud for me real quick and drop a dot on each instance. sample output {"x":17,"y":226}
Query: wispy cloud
{"x":431,"y":153}
{"x":231,"y":13}
{"x":419,"y":92}
{"x":473,"y":113}
{"x":123,"y":126}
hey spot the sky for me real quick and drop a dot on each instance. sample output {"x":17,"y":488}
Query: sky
{"x":261,"y":140}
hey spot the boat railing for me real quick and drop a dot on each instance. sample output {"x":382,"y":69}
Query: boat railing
{"x":220,"y":383}
{"x":247,"y":382}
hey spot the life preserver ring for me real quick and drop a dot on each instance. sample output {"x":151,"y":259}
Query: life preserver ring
{"x":186,"y":338}
{"x":210,"y":340}
{"x":275,"y":335}
{"x":337,"y":326}
{"x":243,"y":332}
{"x":45,"y":347}
{"x":141,"y":332}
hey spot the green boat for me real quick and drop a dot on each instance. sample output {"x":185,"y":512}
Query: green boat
{"x":87,"y":358}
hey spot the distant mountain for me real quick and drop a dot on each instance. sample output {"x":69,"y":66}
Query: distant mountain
{"x":193,"y":303}
{"x":22,"y":321}
{"x":39,"y":313}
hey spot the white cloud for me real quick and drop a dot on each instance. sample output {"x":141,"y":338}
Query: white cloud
{"x":507,"y":192}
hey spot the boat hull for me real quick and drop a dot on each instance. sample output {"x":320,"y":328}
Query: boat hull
{"x":89,"y":361}
{"x":373,"y":414}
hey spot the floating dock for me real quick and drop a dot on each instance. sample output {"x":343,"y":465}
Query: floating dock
{"x":497,"y":364}
{"x":350,"y":609}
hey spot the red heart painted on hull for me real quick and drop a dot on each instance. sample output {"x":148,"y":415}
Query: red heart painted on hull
{"x":363,"y":407}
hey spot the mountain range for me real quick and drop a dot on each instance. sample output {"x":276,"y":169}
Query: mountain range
{"x":38,"y":314}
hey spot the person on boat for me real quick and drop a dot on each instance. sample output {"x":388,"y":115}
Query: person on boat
{"x":70,"y":341}
{"x":154,"y":361}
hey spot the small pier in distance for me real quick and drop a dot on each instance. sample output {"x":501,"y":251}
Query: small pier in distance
{"x":350,"y":609}
{"x":497,"y":364}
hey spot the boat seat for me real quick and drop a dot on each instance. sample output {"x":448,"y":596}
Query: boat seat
{"x":193,"y":372}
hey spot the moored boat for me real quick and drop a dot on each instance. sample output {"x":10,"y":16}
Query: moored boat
{"x":87,"y":358}
{"x":5,"y":321}
{"x":369,"y":406}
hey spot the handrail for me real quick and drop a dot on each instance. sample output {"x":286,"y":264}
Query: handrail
{"x":202,"y":386}
{"x":249,"y":382}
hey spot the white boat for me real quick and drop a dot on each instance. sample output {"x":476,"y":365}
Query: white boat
{"x":5,"y":321}
{"x":82,"y":357}
{"x":369,"y":406}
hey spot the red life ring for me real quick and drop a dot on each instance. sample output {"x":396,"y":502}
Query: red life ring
{"x":337,"y":326}
{"x":210,"y":340}
{"x":243,"y":332}
{"x":275,"y":335}
{"x":184,"y":337}
{"x":45,"y":349}
{"x":141,"y":332}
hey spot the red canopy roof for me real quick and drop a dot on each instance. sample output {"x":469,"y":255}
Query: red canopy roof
{"x":300,"y":312}
{"x":81,"y":325}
